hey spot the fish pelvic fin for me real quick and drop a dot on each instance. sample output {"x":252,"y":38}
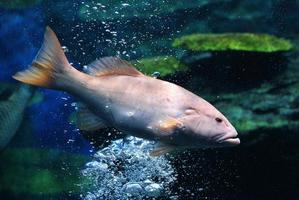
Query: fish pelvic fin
{"x":161,"y":149}
{"x":112,"y":66}
{"x":49,"y":66}
{"x":87,"y":121}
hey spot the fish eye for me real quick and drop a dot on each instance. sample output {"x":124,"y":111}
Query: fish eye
{"x":218,"y":120}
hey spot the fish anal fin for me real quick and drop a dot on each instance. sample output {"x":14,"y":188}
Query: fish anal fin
{"x":112,"y":66}
{"x":87,"y":121}
{"x":161,"y":149}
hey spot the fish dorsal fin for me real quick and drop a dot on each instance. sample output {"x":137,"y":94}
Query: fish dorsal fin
{"x":87,"y":121}
{"x":112,"y":66}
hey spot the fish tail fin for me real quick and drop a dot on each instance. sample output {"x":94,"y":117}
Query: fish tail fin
{"x":50,"y":66}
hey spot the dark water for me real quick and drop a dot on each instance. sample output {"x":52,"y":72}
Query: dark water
{"x":256,"y":86}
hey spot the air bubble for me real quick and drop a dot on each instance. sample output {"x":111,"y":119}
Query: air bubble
{"x":65,"y":49}
{"x":156,"y":74}
{"x":133,"y":189}
{"x":125,"y":170}
{"x":130,"y":113}
{"x":153,"y":190}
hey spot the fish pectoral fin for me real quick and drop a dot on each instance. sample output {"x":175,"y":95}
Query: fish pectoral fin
{"x":112,"y":66}
{"x":161,"y":149}
{"x":87,"y":121}
{"x":168,"y":126}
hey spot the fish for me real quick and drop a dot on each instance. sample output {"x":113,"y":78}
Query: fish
{"x":113,"y":93}
{"x":12,"y":112}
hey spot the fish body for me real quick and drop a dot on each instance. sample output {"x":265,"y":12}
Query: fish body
{"x":115,"y":94}
{"x":11,"y":113}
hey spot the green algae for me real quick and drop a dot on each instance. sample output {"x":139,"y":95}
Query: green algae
{"x":165,"y":65}
{"x":252,"y":42}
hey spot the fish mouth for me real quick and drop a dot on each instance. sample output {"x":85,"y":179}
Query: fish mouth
{"x":232,"y":139}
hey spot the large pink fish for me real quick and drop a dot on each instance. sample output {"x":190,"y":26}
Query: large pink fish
{"x":116,"y":94}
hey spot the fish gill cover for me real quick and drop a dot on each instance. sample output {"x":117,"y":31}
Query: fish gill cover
{"x":125,"y":170}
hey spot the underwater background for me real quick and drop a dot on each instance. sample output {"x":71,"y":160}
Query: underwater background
{"x":240,"y":55}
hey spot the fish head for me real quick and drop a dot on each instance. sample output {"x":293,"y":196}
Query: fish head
{"x":207,"y":128}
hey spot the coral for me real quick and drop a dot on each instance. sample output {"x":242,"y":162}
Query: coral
{"x":252,"y":42}
{"x":164,"y":65}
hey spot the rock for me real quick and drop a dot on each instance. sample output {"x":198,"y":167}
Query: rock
{"x":252,"y":42}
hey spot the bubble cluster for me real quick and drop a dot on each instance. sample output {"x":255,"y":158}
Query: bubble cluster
{"x":125,"y":170}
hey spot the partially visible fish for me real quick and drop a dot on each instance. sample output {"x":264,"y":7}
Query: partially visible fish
{"x":11,"y":112}
{"x":116,"y":94}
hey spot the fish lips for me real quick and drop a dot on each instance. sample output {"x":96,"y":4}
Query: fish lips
{"x":231,"y":139}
